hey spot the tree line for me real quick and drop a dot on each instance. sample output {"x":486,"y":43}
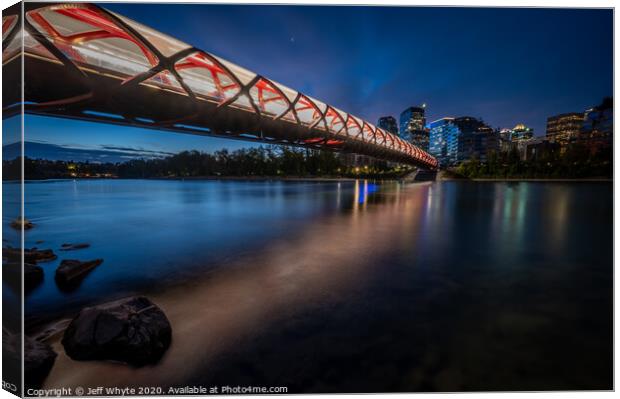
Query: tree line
{"x":576,"y":162}
{"x":261,"y":161}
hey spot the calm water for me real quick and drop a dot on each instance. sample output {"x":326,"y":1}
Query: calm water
{"x":346,"y":287}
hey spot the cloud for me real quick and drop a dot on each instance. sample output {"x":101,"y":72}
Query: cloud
{"x":109,"y":153}
{"x":137,"y":151}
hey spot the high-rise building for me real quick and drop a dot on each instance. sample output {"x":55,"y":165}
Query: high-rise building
{"x":521,"y":137}
{"x":598,"y":126}
{"x":413,"y":127}
{"x":475,"y":139}
{"x":522,"y":132}
{"x":505,"y":140}
{"x":388,"y":123}
{"x":564,"y":128}
{"x":454,"y":140}
{"x":443,"y":141}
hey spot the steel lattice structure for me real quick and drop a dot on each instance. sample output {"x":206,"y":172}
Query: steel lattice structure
{"x":82,"y":61}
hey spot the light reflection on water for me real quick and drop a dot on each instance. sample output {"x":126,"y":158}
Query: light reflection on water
{"x":345,"y":286}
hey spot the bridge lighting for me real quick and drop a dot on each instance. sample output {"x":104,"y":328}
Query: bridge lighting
{"x":105,"y":59}
{"x":208,"y":94}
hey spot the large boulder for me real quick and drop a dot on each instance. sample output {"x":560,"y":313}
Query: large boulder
{"x":132,"y":330}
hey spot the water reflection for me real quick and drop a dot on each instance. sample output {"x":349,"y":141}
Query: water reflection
{"x":327,"y":257}
{"x":348,"y":286}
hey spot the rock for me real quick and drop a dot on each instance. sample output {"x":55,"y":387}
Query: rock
{"x":33,"y":255}
{"x":73,"y":271}
{"x":132,"y":330}
{"x":19,"y":222}
{"x":71,"y":247}
{"x":38,"y":357}
{"x":33,"y":274}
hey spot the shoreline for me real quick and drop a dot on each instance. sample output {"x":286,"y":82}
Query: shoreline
{"x":260,"y":178}
{"x":333,"y":179}
{"x":543,"y":180}
{"x":232,"y":178}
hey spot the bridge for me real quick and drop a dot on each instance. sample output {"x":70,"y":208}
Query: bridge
{"x":82,"y":61}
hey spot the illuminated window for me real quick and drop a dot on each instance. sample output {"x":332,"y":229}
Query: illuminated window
{"x":8,"y":23}
{"x":368,"y":132}
{"x":269,"y":100}
{"x":207,"y":78}
{"x":92,"y":39}
{"x":380,"y":136}
{"x":291,"y":95}
{"x":164,"y":80}
{"x":307,"y":112}
{"x":165,"y":44}
{"x":334,"y":120}
{"x":14,"y":46}
{"x":354,"y":126}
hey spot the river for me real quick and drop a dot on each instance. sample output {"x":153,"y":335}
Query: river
{"x":339,"y":286}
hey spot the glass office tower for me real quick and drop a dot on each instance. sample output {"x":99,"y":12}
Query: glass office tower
{"x":413,"y":127}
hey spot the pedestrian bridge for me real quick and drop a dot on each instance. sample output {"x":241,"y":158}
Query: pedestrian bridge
{"x":82,"y":61}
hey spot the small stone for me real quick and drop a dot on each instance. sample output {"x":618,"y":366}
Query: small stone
{"x":32,"y":255}
{"x":71,"y":247}
{"x":21,"y":222}
{"x":72,"y":270}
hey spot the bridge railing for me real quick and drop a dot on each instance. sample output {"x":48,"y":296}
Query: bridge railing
{"x":96,"y":41}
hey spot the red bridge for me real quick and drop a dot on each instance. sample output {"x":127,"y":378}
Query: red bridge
{"x":84,"y":62}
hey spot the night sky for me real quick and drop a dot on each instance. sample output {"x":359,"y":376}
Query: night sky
{"x":506,"y":66}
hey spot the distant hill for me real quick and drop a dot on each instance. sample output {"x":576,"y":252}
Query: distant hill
{"x":56,"y":152}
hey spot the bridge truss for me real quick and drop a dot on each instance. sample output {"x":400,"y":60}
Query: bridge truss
{"x":82,"y":61}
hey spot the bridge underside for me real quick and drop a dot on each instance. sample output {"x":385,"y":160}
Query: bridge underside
{"x":165,"y":111}
{"x":82,"y":62}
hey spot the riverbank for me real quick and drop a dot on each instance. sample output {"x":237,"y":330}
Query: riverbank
{"x":547,"y":180}
{"x":527,"y":180}
{"x":441,"y":176}
{"x":262,"y":178}
{"x":452,"y":176}
{"x":228,"y":178}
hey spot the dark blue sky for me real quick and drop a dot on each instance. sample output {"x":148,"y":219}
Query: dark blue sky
{"x":507,"y":66}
